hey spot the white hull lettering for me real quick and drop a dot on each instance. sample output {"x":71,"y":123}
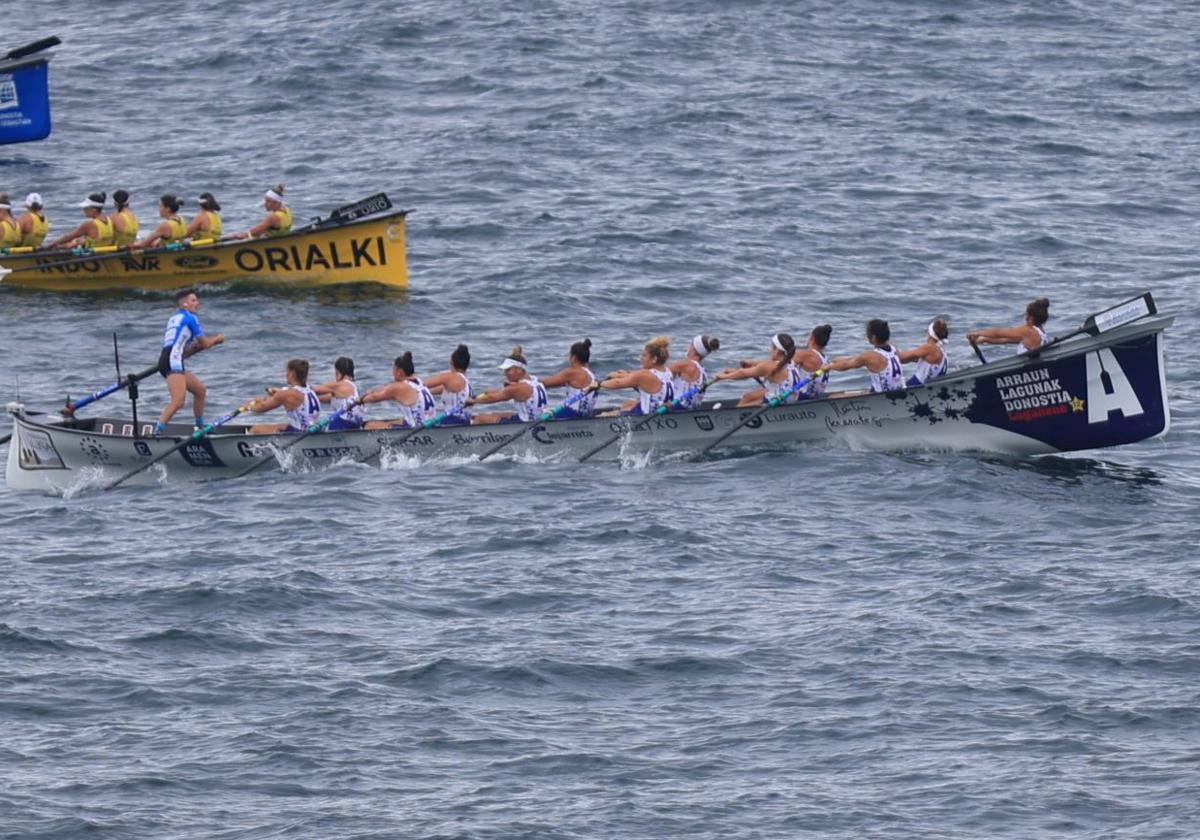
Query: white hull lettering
{"x":1118,"y":395}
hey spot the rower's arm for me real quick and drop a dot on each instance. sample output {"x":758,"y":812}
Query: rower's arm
{"x":618,"y":380}
{"x":752,"y":371}
{"x":558,"y":380}
{"x":998,"y":335}
{"x":271,"y":222}
{"x":921,"y":352}
{"x":508,"y":392}
{"x":863,"y":359}
{"x":275,"y":400}
{"x":63,"y":240}
{"x":203,"y":342}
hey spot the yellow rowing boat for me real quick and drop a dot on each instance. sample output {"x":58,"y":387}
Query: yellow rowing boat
{"x":362,"y":243}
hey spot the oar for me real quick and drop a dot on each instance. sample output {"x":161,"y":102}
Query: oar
{"x":662,"y":409}
{"x":36,"y":46}
{"x":1109,"y":319}
{"x":549,"y":415}
{"x":978,"y":353}
{"x":316,"y":428}
{"x":71,"y":407}
{"x":771,"y":403}
{"x":192,"y":438}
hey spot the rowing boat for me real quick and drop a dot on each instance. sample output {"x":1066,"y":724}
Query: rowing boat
{"x":360,"y":243}
{"x":1080,"y":392}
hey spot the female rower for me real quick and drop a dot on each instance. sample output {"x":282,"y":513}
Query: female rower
{"x":579,"y":381}
{"x":406,"y":390}
{"x":170,"y":229}
{"x":881,"y":360}
{"x":653,"y":382}
{"x":33,"y":222}
{"x":125,"y":224}
{"x":454,"y":388}
{"x":1029,"y":335}
{"x":278,"y":220}
{"x":301,"y":403}
{"x":339,"y":393}
{"x":524,"y":390}
{"x":778,"y":374}
{"x":206,"y":224}
{"x":689,"y":379}
{"x":10,"y":232}
{"x":810,"y":359}
{"x":931,"y":357}
{"x":95,"y":231}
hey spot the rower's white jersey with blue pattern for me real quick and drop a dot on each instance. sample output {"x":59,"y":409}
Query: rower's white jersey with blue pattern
{"x":583,"y":406}
{"x":531,"y":409}
{"x":354,"y":416}
{"x":891,"y":378}
{"x":454,"y":403}
{"x":683,"y":386}
{"x":421,"y":410}
{"x":309,"y":410}
{"x":182,"y":327}
{"x":650,"y":401}
{"x":793,"y":377}
{"x":926,"y":371}
{"x":815,"y":389}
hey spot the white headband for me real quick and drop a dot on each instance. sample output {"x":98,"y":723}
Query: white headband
{"x":274,"y":196}
{"x":933,"y":334}
{"x":698,"y":346}
{"x":511,"y":363}
{"x":778,"y":344}
{"x":5,"y":206}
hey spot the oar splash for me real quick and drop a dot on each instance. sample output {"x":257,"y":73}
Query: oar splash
{"x":776,"y":400}
{"x":674,"y":405}
{"x":314,"y":429}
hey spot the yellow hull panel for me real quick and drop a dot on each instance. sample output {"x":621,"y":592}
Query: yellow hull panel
{"x":365,"y":251}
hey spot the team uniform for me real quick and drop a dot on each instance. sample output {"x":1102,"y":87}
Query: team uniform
{"x":104,"y":233}
{"x":10,"y":233}
{"x":815,"y":388}
{"x":284,"y":214}
{"x":352,"y":419}
{"x":454,"y":405}
{"x":215,"y":226}
{"x":1041,"y":334}
{"x":530,"y":409}
{"x":182,"y":328}
{"x":649,"y":401}
{"x":305,"y":414}
{"x":177,"y":230}
{"x":926,"y":371}
{"x":682,"y":386}
{"x":416,"y":414}
{"x":128,"y":236}
{"x":891,"y":378}
{"x":584,"y":404}
{"x":37,"y":234}
{"x":774,"y":390}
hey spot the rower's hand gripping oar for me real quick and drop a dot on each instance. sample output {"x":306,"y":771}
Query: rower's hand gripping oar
{"x":778,"y":399}
{"x":546,"y":417}
{"x":195,"y":436}
{"x":662,"y":409}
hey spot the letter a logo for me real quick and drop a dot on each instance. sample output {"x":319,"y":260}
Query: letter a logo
{"x":1108,"y":388}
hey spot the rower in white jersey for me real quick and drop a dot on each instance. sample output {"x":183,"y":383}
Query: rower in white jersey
{"x":652,"y":382}
{"x":301,"y":403}
{"x":1029,"y":335}
{"x":690,"y":379}
{"x":342,"y":394}
{"x":408,"y":392}
{"x":881,"y":360}
{"x":520,"y":386}
{"x":454,"y":388}
{"x":579,"y":381}
{"x":777,"y":373}
{"x":812,"y":364}
{"x":931,"y":356}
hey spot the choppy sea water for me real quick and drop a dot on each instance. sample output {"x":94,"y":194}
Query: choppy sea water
{"x":814,"y":643}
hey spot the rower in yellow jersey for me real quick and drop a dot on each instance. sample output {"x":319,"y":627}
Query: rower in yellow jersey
{"x":125,"y":224}
{"x":95,"y":231}
{"x":278,"y":220}
{"x":33,"y":222}
{"x":206,"y":224}
{"x":170,"y":229}
{"x":10,"y":233}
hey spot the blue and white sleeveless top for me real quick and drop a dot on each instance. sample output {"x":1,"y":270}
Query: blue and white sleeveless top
{"x":416,"y":414}
{"x":650,"y":401}
{"x":353,"y":417}
{"x":926,"y":371}
{"x":891,"y":378}
{"x":1041,"y":334}
{"x":454,"y":403}
{"x":793,"y":377}
{"x":682,"y":386}
{"x":815,"y":389}
{"x":584,"y":406}
{"x":534,"y":407}
{"x":182,"y":327}
{"x":308,"y":412}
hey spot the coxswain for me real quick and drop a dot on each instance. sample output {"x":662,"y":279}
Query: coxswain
{"x":1029,"y":335}
{"x":688,"y":374}
{"x":171,"y":229}
{"x":95,"y":231}
{"x":524,"y":389}
{"x":454,"y":388}
{"x":777,"y":373}
{"x":340,"y":392}
{"x":811,"y":359}
{"x":406,"y":390}
{"x":278,"y":220}
{"x":10,"y":232}
{"x":206,"y":224}
{"x":33,"y":222}
{"x":182,"y":338}
{"x":931,"y":356}
{"x":653,"y":382}
{"x":125,"y":224}
{"x":881,"y":360}
{"x":579,"y":381}
{"x":301,"y":403}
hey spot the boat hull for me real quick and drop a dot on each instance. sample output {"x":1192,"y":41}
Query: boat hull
{"x":370,"y":250}
{"x":1086,"y":393}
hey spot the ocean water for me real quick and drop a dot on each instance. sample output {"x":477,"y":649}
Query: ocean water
{"x":813,"y":643}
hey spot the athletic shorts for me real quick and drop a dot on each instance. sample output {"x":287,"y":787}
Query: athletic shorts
{"x":164,"y":363}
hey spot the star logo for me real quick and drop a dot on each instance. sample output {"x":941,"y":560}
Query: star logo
{"x":1076,"y":404}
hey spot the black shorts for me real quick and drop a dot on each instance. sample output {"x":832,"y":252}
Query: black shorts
{"x":164,"y":363}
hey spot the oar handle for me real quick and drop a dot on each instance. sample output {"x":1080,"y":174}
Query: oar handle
{"x":978,"y":353}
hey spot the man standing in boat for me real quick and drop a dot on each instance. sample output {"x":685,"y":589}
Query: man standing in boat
{"x":182,"y":338}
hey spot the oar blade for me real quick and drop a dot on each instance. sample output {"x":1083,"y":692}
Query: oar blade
{"x":1123,"y":313}
{"x":36,"y":46}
